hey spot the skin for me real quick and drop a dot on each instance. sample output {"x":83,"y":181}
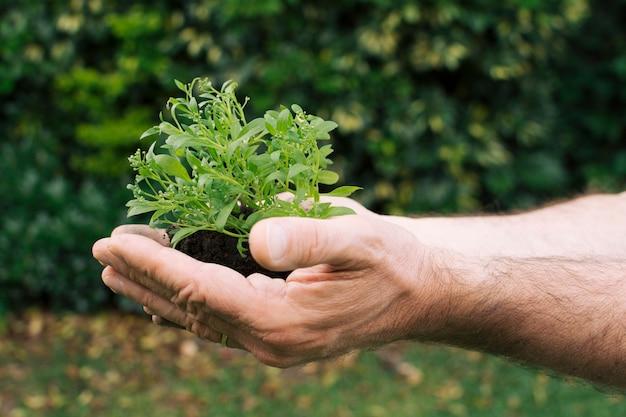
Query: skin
{"x":546,"y":287}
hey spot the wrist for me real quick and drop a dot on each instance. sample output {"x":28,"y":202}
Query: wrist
{"x":448,"y":287}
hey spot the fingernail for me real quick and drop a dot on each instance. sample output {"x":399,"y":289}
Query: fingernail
{"x":276,"y":241}
{"x":114,"y":284}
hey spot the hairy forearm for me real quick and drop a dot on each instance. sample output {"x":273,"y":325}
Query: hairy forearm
{"x":567,"y":314}
{"x":546,"y":287}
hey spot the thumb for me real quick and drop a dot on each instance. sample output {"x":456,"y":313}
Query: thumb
{"x":287,"y":243}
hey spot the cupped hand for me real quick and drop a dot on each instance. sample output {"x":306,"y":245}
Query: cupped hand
{"x":354,"y":284}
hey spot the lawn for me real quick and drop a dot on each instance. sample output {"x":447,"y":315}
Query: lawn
{"x":112,"y":364}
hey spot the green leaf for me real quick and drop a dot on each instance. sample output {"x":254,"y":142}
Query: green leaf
{"x":182,"y":233}
{"x":180,"y":85}
{"x":326,"y":150}
{"x":254,"y":218}
{"x":300,"y":195}
{"x":172,"y":166}
{"x":299,"y":157}
{"x":184,"y":140}
{"x":297,"y":169}
{"x":222,"y":217}
{"x":154,"y":130}
{"x":284,"y":121}
{"x":193,"y":161}
{"x":263,"y":164}
{"x":232,"y":147}
{"x":327,"y":177}
{"x":137,"y":207}
{"x":277,"y":212}
{"x":338,"y":211}
{"x":321,"y":130}
{"x":169,"y":129}
{"x":157,"y":219}
{"x":193,"y":105}
{"x":344,"y":191}
{"x":275,"y":176}
{"x":255,"y":127}
{"x":270,"y":126}
{"x":235,"y":128}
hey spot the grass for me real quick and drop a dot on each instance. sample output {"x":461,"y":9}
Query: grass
{"x":121,"y":365}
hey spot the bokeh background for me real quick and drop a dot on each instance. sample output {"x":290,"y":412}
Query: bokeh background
{"x":444,"y":106}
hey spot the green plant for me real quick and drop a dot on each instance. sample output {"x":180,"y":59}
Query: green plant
{"x":222,"y":173}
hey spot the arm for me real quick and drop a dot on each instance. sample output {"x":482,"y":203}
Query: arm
{"x":547,"y":287}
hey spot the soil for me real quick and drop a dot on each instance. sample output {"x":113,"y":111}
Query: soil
{"x":215,"y":247}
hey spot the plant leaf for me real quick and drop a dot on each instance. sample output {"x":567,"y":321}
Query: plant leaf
{"x":169,"y":129}
{"x":137,"y":207}
{"x":193,"y":105}
{"x":283,"y":122}
{"x":270,"y":124}
{"x":327,"y":177}
{"x":154,"y":130}
{"x":321,"y":130}
{"x":255,"y":127}
{"x":180,"y":85}
{"x":222,"y":217}
{"x":193,"y":160}
{"x":172,"y":166}
{"x":182,"y":233}
{"x":338,"y":211}
{"x":344,"y":191}
{"x":275,"y":156}
{"x":297,"y":169}
{"x":276,"y":175}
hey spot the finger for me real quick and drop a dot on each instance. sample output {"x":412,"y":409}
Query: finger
{"x":161,"y":269}
{"x":160,"y":321}
{"x":158,"y":235}
{"x":177,"y":277}
{"x":187,"y":290}
{"x":116,"y":267}
{"x":163,"y":311}
{"x":284,"y":244}
{"x":121,"y":285}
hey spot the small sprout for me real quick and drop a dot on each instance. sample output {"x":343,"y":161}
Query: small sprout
{"x":219,"y":172}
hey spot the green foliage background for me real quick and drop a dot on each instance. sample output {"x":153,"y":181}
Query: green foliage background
{"x":443,"y":106}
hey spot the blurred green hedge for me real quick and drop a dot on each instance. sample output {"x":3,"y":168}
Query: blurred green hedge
{"x":443,"y":106}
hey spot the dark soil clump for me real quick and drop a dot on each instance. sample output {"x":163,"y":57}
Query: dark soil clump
{"x":213,"y":247}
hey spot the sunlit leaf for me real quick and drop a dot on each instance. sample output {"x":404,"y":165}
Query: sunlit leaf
{"x":338,"y":211}
{"x":327,"y":177}
{"x":154,"y":130}
{"x":255,"y":127}
{"x":297,"y":169}
{"x":139,"y":207}
{"x":321,"y":130}
{"x":172,"y":166}
{"x":283,"y":122}
{"x":343,"y":191}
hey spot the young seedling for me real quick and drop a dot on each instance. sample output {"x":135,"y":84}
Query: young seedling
{"x":218,"y":172}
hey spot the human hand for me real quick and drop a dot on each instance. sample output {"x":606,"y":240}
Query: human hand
{"x":354,"y":285}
